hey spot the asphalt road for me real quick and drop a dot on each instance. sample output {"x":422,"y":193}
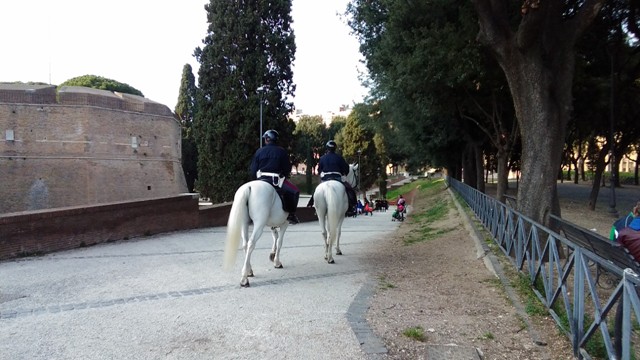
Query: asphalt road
{"x":167,"y":297}
{"x":626,"y":196}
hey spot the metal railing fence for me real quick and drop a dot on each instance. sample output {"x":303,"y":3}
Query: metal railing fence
{"x":562,"y":275}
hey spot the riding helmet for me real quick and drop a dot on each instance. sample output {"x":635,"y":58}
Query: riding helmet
{"x":272,"y":135}
{"x":331,"y":145}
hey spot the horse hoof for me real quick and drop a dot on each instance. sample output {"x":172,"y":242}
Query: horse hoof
{"x":338,"y":252}
{"x":245,"y":285}
{"x":272,"y":256}
{"x":331,"y":261}
{"x":279,"y":266}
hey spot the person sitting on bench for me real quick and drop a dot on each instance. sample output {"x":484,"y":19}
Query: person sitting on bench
{"x":629,"y":236}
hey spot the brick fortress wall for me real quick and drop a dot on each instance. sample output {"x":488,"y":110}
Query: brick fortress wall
{"x":83,"y":146}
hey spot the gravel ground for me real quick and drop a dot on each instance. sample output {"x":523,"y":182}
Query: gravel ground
{"x":166,"y":297}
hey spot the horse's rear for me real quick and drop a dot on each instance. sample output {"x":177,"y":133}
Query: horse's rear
{"x":331,"y":203}
{"x":257,"y":202}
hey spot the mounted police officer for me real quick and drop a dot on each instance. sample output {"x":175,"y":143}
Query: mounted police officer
{"x":333,"y":167}
{"x":271,"y":163}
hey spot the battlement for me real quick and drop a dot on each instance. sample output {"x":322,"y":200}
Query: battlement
{"x":79,"y":95}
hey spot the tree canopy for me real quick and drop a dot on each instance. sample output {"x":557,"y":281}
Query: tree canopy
{"x":249,"y":45}
{"x":99,"y":82}
{"x":454,"y":99}
{"x":185,"y":111}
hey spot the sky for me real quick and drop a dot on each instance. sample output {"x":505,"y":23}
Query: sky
{"x":146,"y":43}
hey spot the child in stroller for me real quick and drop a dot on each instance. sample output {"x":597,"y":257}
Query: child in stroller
{"x":398,"y":214}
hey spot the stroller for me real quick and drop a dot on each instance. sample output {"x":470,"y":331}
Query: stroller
{"x":398,"y":214}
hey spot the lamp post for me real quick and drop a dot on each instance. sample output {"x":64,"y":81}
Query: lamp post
{"x":260,"y":91}
{"x":612,"y":117}
{"x":359,"y":168}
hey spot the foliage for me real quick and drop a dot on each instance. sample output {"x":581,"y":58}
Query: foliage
{"x":488,"y":336}
{"x":335,"y":128}
{"x":185,"y":111}
{"x":310,"y":140}
{"x":385,"y":284}
{"x":423,"y":185}
{"x":300,"y":181}
{"x":101,"y":83}
{"x":249,"y":45}
{"x":606,"y":92}
{"x":310,"y":135}
{"x":437,"y":88}
{"x":24,"y":82}
{"x":358,"y":146}
{"x":416,"y":333}
{"x":435,"y":211}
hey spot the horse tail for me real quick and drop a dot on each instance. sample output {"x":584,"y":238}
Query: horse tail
{"x":238,"y":217}
{"x":333,"y":214}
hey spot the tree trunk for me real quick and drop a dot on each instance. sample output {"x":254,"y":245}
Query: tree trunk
{"x":537,"y":57}
{"x":503,"y":175}
{"x":601,"y":164}
{"x":635,"y":173}
{"x":479,"y":168}
{"x":468,"y":167}
{"x":542,"y":129}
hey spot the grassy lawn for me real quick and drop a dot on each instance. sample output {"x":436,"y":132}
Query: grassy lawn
{"x":300,"y":180}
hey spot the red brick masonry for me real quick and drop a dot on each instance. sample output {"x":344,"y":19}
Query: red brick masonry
{"x":39,"y":232}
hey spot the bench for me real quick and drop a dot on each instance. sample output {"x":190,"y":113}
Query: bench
{"x":597,"y":244}
{"x":511,"y":200}
{"x":606,"y":249}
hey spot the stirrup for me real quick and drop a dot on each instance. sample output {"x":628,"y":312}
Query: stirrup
{"x":293,"y":219}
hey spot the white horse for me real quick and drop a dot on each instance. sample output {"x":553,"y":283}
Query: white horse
{"x":331,"y":203}
{"x":259,"y":202}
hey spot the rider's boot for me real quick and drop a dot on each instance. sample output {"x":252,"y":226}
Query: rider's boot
{"x":351,"y":196}
{"x":291,"y":204}
{"x":293,"y":219}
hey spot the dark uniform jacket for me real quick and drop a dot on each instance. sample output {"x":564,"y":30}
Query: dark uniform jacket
{"x":332,"y":162}
{"x":270,"y":158}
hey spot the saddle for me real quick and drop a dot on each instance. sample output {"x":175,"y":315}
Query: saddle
{"x":332,"y":175}
{"x":289,"y":198}
{"x":351,"y":194}
{"x":273,"y":178}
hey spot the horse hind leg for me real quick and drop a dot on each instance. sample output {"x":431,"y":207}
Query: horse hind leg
{"x":247,"y":271}
{"x":329,"y":248}
{"x":326,"y":244}
{"x":338,"y":234}
{"x":274,"y":256}
{"x":274,"y":235}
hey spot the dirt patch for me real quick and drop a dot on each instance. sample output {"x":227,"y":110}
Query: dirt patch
{"x":440,"y":285}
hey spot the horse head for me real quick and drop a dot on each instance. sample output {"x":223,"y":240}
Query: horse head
{"x":353,"y":177}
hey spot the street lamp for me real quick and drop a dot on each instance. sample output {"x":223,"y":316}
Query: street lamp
{"x":612,"y":117}
{"x":359,"y":167}
{"x":260,"y":91}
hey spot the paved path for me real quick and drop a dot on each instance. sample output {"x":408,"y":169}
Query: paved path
{"x":167,"y":297}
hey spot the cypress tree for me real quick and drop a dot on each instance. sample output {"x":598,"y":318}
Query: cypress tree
{"x":249,"y":44}
{"x":185,"y":110}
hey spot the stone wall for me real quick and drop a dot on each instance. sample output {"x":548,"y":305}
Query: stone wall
{"x":43,"y":231}
{"x":39,"y":232}
{"x":87,"y":147}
